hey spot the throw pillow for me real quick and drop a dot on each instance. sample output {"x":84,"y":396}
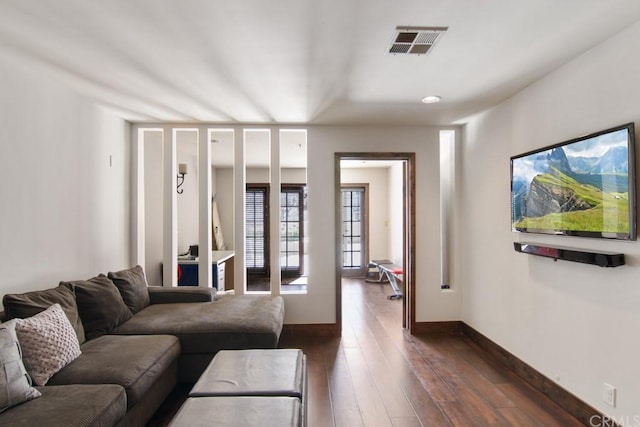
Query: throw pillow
{"x":100,"y":305}
{"x":48,"y":343}
{"x":31,"y":303}
{"x":15,"y":383}
{"x":132,"y":285}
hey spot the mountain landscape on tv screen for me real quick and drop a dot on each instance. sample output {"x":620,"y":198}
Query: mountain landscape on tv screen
{"x":569,"y":189}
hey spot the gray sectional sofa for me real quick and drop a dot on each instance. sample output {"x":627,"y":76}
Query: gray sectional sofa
{"x":136,"y":342}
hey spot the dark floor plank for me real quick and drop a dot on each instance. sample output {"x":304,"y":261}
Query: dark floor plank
{"x":346,"y":411}
{"x":517,"y":417}
{"x":537,"y":406}
{"x":319,"y":406}
{"x":484,"y":412}
{"x":466,"y":365}
{"x":406,"y":422}
{"x":433,"y":368}
{"x":460,"y":415}
{"x":367,"y":394}
{"x":425,"y":408}
{"x":385,"y":377}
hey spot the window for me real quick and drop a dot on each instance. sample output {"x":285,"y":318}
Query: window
{"x":256,"y":238}
{"x":291,"y":229}
{"x":353,"y":229}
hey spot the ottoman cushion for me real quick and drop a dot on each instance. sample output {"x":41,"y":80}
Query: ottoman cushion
{"x":239,"y":411}
{"x":276,"y":372}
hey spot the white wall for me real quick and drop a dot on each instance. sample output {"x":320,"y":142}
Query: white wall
{"x":323,"y":141}
{"x":224,"y":197}
{"x":187,"y":205}
{"x":577,"y":324}
{"x":318,"y":304}
{"x":64,"y":209}
{"x":378,"y":209}
{"x":396,"y":213}
{"x":153,"y":206}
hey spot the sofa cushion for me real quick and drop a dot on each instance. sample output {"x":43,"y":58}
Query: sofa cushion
{"x":132,"y":285}
{"x":70,"y":405}
{"x":31,"y":303}
{"x":15,"y":384}
{"x":134,"y":362}
{"x":100,"y":305}
{"x":232,"y":322}
{"x":48,"y":343}
{"x":161,"y":295}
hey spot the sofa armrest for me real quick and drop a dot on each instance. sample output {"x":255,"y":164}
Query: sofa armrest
{"x":160,"y":295}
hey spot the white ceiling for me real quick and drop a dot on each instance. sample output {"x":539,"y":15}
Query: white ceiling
{"x":301,"y":61}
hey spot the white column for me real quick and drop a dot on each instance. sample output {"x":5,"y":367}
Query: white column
{"x":447,"y":188}
{"x":137,"y":198}
{"x":274,"y":212}
{"x":204,"y":206}
{"x":170,"y":217}
{"x":239,"y":189}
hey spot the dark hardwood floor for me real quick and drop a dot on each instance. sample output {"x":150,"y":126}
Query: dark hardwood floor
{"x":377,"y":375}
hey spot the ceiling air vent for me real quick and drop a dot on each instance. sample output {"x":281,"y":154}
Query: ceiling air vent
{"x":415,"y":40}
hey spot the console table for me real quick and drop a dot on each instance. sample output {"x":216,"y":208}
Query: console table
{"x":221,"y":266}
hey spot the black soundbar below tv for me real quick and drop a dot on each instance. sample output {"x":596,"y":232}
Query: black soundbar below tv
{"x":601,"y":259}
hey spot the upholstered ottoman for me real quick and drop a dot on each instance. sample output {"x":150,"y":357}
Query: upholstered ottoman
{"x":257,"y":373}
{"x":245,"y":411}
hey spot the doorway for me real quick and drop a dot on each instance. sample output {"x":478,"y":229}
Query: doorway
{"x":357,"y":245}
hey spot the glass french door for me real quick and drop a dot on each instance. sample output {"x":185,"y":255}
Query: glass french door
{"x":257,"y":229}
{"x":291,"y":229}
{"x":354,"y":229}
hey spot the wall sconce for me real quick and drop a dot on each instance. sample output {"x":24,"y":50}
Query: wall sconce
{"x":182,"y":171}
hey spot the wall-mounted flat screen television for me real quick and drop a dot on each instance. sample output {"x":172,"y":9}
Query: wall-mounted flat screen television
{"x":582,"y":187}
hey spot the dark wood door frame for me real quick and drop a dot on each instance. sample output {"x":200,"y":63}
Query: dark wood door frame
{"x":409,"y":232}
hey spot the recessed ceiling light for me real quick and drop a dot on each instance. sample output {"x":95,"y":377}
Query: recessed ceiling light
{"x":431,"y":99}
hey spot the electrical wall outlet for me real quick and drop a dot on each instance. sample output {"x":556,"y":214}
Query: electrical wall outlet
{"x":609,"y":394}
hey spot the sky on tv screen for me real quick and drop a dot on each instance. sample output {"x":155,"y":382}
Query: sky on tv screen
{"x":526,"y":168}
